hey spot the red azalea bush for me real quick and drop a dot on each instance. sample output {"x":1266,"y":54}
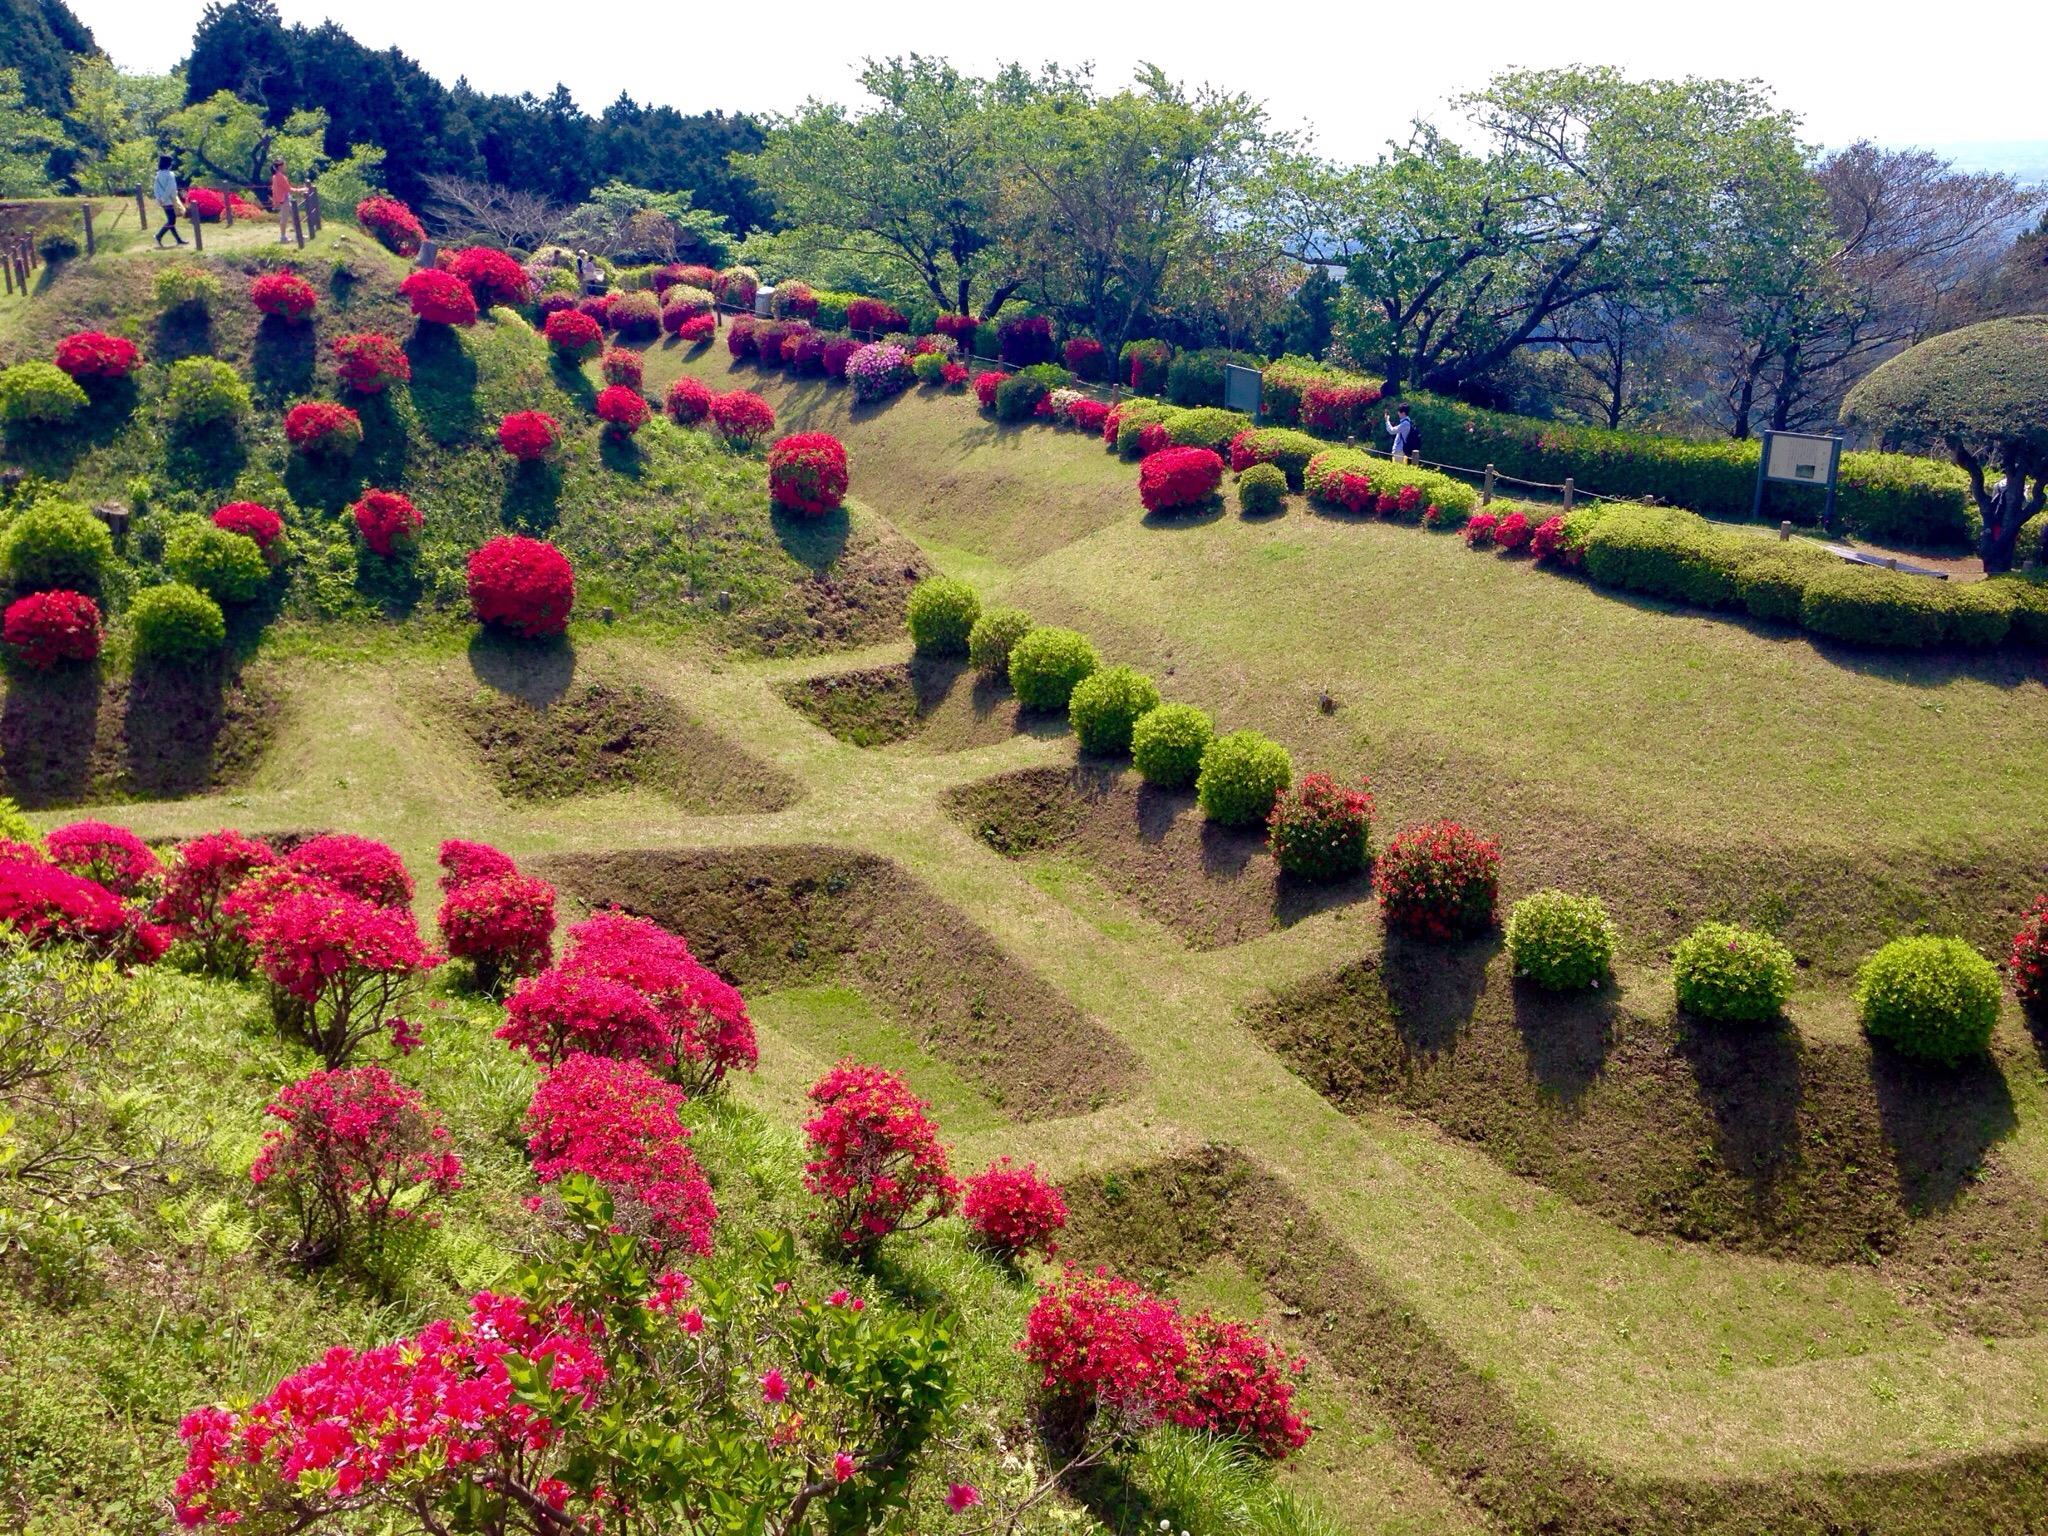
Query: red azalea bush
{"x":736,"y":286}
{"x":740,"y":336}
{"x":392,"y":224}
{"x":797,"y":300}
{"x":1023,"y":340}
{"x":1238,"y":1387}
{"x":284,"y":296}
{"x":985,"y":386}
{"x":46,"y":905}
{"x":1479,"y":529}
{"x":838,"y":353}
{"x":635,"y":313}
{"x":197,"y":882}
{"x":622,"y":365}
{"x":1087,"y":414}
{"x":356,"y":1154}
{"x":463,"y":861}
{"x":104,"y":853}
{"x":693,"y":275}
{"x":368,"y":362}
{"x":439,"y":298}
{"x":1013,"y":1210}
{"x":1512,"y":533}
{"x":204,"y":205}
{"x":807,"y":472}
{"x":388,"y":521}
{"x":952,"y":375}
{"x":960,"y":327}
{"x":1085,"y":358}
{"x":874,"y":315}
{"x":562,"y":1012}
{"x":1438,"y":881}
{"x":96,"y":355}
{"x":573,"y":334}
{"x":492,"y":276}
{"x":529,"y":436}
{"x":2028,"y":964}
{"x":624,"y":411}
{"x":806,"y":353}
{"x":597,"y":308}
{"x":705,"y":1018}
{"x":502,"y":925}
{"x":1320,"y":829}
{"x":876,"y":1160}
{"x":1172,"y":478}
{"x":1152,"y":439}
{"x":742,"y":417}
{"x":361,"y":866}
{"x":523,"y":586}
{"x":45,"y":628}
{"x":1546,"y":542}
{"x":1336,"y":407}
{"x":697,"y":329}
{"x":339,"y":968}
{"x":616,"y":1122}
{"x":689,"y":401}
{"x":322,"y":429}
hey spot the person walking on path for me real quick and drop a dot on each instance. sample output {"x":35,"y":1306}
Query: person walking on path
{"x":1407,"y":439}
{"x":165,"y":191}
{"x":281,"y":194}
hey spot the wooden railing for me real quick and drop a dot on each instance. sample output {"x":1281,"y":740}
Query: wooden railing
{"x":305,"y":212}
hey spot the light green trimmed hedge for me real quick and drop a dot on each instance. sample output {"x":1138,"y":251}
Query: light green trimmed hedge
{"x":1047,"y":664}
{"x":1206,"y":427}
{"x":1106,"y":705}
{"x":1454,"y":500}
{"x":1167,"y":744}
{"x":1929,"y":997}
{"x":941,"y":615}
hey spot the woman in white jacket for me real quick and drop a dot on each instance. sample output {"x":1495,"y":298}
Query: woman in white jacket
{"x":165,"y":191}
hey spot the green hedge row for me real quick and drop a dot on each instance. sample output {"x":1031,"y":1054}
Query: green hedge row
{"x":1332,"y":475}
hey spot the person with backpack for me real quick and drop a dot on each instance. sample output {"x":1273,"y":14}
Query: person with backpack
{"x":1406,"y":435}
{"x":165,"y":190}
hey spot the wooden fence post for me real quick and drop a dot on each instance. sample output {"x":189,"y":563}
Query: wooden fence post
{"x":1486,"y":490}
{"x":298,"y":230}
{"x":141,"y":210}
{"x":198,"y":239}
{"x":91,"y":248}
{"x":228,"y":207}
{"x":312,"y":210}
{"x":1567,"y":493}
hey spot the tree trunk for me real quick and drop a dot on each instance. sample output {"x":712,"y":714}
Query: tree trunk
{"x":2004,"y":512}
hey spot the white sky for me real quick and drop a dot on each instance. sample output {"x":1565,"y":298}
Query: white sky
{"x":1880,"y":69}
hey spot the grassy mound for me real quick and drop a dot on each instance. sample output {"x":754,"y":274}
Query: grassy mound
{"x":932,"y":700}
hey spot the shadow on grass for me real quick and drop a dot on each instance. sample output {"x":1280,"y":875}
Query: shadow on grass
{"x":391,"y":582}
{"x":814,"y":542}
{"x":443,"y":383}
{"x":325,"y":481}
{"x":1750,"y":1078}
{"x":572,"y":380}
{"x":206,"y":458}
{"x":1434,"y":989}
{"x":174,"y":721}
{"x":385,"y":454}
{"x":536,"y":672}
{"x":932,"y":679}
{"x":1940,"y":1122}
{"x":533,"y":492}
{"x":281,"y":360}
{"x":47,"y":729}
{"x":1565,"y":1037}
{"x":1203,"y":513}
{"x":621,"y":455}
{"x":185,"y":331}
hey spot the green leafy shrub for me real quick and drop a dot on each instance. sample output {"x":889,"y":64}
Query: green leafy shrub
{"x":1207,"y":427}
{"x":1725,"y":972}
{"x":1105,"y":706}
{"x":1873,"y":607}
{"x":1196,"y":378}
{"x":185,"y":286}
{"x":2032,"y":547}
{"x":941,"y":614}
{"x":57,"y":244}
{"x":1143,"y":364}
{"x":40,"y":395}
{"x":59,"y":545}
{"x":1771,"y":580}
{"x":204,"y":392}
{"x":1017,"y":397}
{"x":177,"y":623}
{"x":227,"y":567}
{"x":1282,"y":446}
{"x":1167,"y":744}
{"x":1662,"y":552}
{"x":1047,"y":664}
{"x":1562,"y":942}
{"x":1261,"y":490}
{"x":1241,"y":776}
{"x":994,"y":633}
{"x":1282,"y":385}
{"x":1931,"y":998}
{"x":1132,"y":420}
{"x":2026,"y":598}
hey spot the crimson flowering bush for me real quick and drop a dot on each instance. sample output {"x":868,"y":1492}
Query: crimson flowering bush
{"x":47,"y":905}
{"x":523,"y":586}
{"x":104,"y":853}
{"x":96,"y":355}
{"x":388,"y":521}
{"x":952,"y":375}
{"x":492,"y":276}
{"x":1085,"y":358}
{"x":2028,"y":963}
{"x":1152,"y":439}
{"x":1546,"y":541}
{"x":796,"y":299}
{"x":1405,"y":501}
{"x":615,"y":1122}
{"x":339,"y":967}
{"x":502,"y":925}
{"x":985,"y":386}
{"x":838,"y":353}
{"x":1336,"y":407}
{"x":529,"y":436}
{"x":1320,"y":829}
{"x":563,"y":1012}
{"x":1479,"y":530}
{"x":254,"y":522}
{"x":871,"y":315}
{"x":1438,"y":881}
{"x":1012,"y":1210}
{"x":689,"y":401}
{"x":1238,"y":1387}
{"x":806,"y":353}
{"x":197,"y":882}
{"x":1512,"y":533}
{"x":622,"y":365}
{"x":356,"y":1153}
{"x":284,"y":296}
{"x":392,"y":223}
{"x":693,"y":275}
{"x":741,"y":417}
{"x":960,"y":327}
{"x":463,"y":862}
{"x":597,"y":307}
{"x":368,"y":362}
{"x":1088,"y":414}
{"x":877,"y":1163}
{"x":439,"y":298}
{"x":573,"y":334}
{"x":45,"y":628}
{"x":1173,"y":478}
{"x":736,"y":286}
{"x":697,"y":329}
{"x":623,"y":411}
{"x":741,"y":337}
{"x":807,"y":473}
{"x":360,"y":866}
{"x":1023,"y":340}
{"x":635,"y":313}
{"x":323,"y":429}
{"x":205,"y":205}
{"x":771,"y":339}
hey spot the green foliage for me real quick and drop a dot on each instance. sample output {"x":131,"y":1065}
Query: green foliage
{"x":1135,"y":416}
{"x":58,"y":243}
{"x":1287,"y":448}
{"x":27,"y":136}
{"x":1984,"y":387}
{"x":1241,"y":775}
{"x":993,"y":635}
{"x":1662,"y":552}
{"x":2032,"y":547}
{"x":1018,"y":395}
{"x":59,"y":544}
{"x":941,"y":614}
{"x":1047,"y":664}
{"x":1725,"y":972}
{"x":228,"y":567}
{"x":1261,"y":490}
{"x":1562,"y":942}
{"x":1207,"y":427}
{"x":1167,"y":744}
{"x":204,"y":392}
{"x":184,"y":285}
{"x":1196,"y":378}
{"x":38,"y":394}
{"x":1869,"y":607}
{"x":15,"y":826}
{"x":1106,"y":704}
{"x":1931,"y":998}
{"x":1771,"y":579}
{"x":177,"y":623}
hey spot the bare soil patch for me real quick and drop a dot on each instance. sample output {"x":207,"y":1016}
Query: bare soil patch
{"x":859,"y":580}
{"x":940,"y":704}
{"x":792,"y":916}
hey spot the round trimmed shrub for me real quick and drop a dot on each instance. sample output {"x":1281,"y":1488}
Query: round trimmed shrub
{"x":941,"y":614}
{"x":994,"y":634}
{"x":284,"y":296}
{"x":439,"y":298}
{"x":494,"y":277}
{"x":529,"y":436}
{"x":1240,"y":777}
{"x":689,"y":401}
{"x":1320,"y":829}
{"x":46,"y":628}
{"x":807,"y":473}
{"x":523,"y":586}
{"x":1261,"y":490}
{"x":1174,"y":478}
{"x":185,"y":286}
{"x":388,"y":522}
{"x":1438,"y":881}
{"x":204,"y":392}
{"x":1721,"y":971}
{"x":636,"y":315}
{"x":323,"y":429}
{"x":573,"y":334}
{"x":40,"y":395}
{"x":227,"y":567}
{"x":1167,"y":744}
{"x":58,"y":544}
{"x":1018,"y":395}
{"x":1047,"y":664}
{"x":177,"y":623}
{"x":1561,"y":942}
{"x":96,"y":355}
{"x":368,"y":362}
{"x":1930,"y":998}
{"x":622,"y":409}
{"x":1105,"y":706}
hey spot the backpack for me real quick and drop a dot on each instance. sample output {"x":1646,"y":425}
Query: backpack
{"x":1413,"y":447}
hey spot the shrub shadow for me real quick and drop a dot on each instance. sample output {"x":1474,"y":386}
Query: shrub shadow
{"x":174,"y":720}
{"x":536,"y":672}
{"x":48,"y":725}
{"x":621,"y":455}
{"x":815,"y":542}
{"x":205,"y":458}
{"x":1159,"y":809}
{"x":325,"y":482}
{"x":443,"y":383}
{"x":1750,"y":1078}
{"x":1565,"y":1037}
{"x":572,"y":380}
{"x":186,"y":331}
{"x":384,"y":455}
{"x":532,"y":495}
{"x":393,"y":584}
{"x":1209,"y":511}
{"x":281,"y":360}
{"x":1434,"y":989}
{"x":1940,"y":1121}
{"x":932,"y":679}
{"x":1295,"y":898}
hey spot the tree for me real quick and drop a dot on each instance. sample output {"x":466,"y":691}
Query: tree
{"x":27,"y":136}
{"x":241,"y":49}
{"x":638,"y":225}
{"x":1981,"y":393}
{"x":227,"y":137}
{"x":464,"y":210}
{"x":116,"y":119}
{"x":43,"y":43}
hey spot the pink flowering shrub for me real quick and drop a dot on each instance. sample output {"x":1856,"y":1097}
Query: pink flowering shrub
{"x":1173,"y":478}
{"x":741,"y":417}
{"x":876,"y":1160}
{"x":253,"y":521}
{"x":807,"y":473}
{"x":197,"y":882}
{"x":1320,"y":829}
{"x":623,"y":411}
{"x":1239,"y":1388}
{"x":356,"y":1153}
{"x":740,"y":337}
{"x":529,"y":436}
{"x":439,"y":298}
{"x":1088,"y":414}
{"x":1337,"y":407}
{"x":1438,"y":881}
{"x":523,"y":586}
{"x":1479,"y":530}
{"x":369,"y":362}
{"x":695,"y":330}
{"x":838,"y":353}
{"x":878,"y":370}
{"x":284,"y":296}
{"x":492,"y":276}
{"x":360,"y":866}
{"x":339,"y":968}
{"x":805,"y":354}
{"x":796,"y":299}
{"x":323,"y":429}
{"x":1085,"y":358}
{"x":2028,"y":963}
{"x":622,"y":365}
{"x":873,"y":315}
{"x":463,"y":862}
{"x":1012,"y":1210}
{"x":985,"y":386}
{"x":635,"y":314}
{"x":96,"y":355}
{"x":563,"y":1012}
{"x":46,"y":628}
{"x":502,"y":925}
{"x":392,"y":223}
{"x":615,"y":1122}
{"x":47,"y":905}
{"x":1546,"y":541}
{"x":1512,"y":533}
{"x":952,"y":375}
{"x":388,"y":522}
{"x":689,"y":401}
{"x":100,"y":851}
{"x":573,"y":334}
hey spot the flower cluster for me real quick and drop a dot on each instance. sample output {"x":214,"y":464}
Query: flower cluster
{"x":807,"y":472}
{"x":523,"y":586}
{"x":688,"y":401}
{"x":1013,"y":1210}
{"x":1479,"y":530}
{"x":1173,"y":478}
{"x":284,"y":296}
{"x":492,"y":276}
{"x":742,"y":417}
{"x":388,"y":521}
{"x":635,"y":313}
{"x":197,"y":882}
{"x":1024,"y":340}
{"x":695,"y":330}
{"x":323,"y":429}
{"x":878,"y":370}
{"x":361,"y":866}
{"x":960,"y":327}
{"x":1085,"y":358}
{"x":622,"y":409}
{"x":796,"y":299}
{"x":1337,"y":408}
{"x":622,"y":365}
{"x":96,"y":355}
{"x":616,"y":1122}
{"x":529,"y":436}
{"x":573,"y":334}
{"x":45,"y":904}
{"x":339,"y":966}
{"x":876,"y":1159}
{"x":1512,"y":533}
{"x":369,"y":361}
{"x":45,"y":628}
{"x":502,"y":922}
{"x":986,"y":384}
{"x":1320,"y":829}
{"x":1546,"y":542}
{"x":837,"y":354}
{"x":1086,"y":413}
{"x":872,"y":315}
{"x":439,"y":298}
{"x":102,"y":852}
{"x":2028,"y":963}
{"x":1438,"y":881}
{"x":392,"y":223}
{"x":463,"y":862}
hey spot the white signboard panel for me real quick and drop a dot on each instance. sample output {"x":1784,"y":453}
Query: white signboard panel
{"x":1800,"y":457}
